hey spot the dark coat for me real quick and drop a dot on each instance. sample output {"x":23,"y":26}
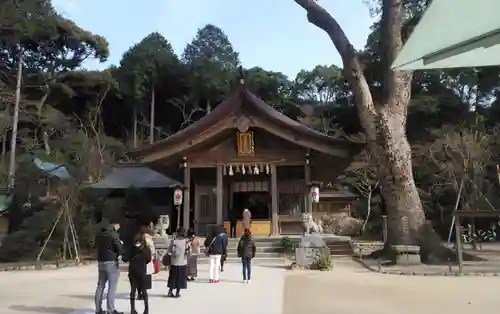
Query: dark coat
{"x":233,"y":216}
{"x":216,"y":245}
{"x":246,"y":247}
{"x":138,"y":256}
{"x":108,"y":245}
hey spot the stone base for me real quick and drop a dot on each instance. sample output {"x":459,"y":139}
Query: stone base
{"x":311,"y":247}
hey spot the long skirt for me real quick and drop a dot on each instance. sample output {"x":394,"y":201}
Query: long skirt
{"x":193,"y":266}
{"x":177,"y":277}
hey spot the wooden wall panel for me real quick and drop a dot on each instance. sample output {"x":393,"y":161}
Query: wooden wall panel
{"x":267,"y":148}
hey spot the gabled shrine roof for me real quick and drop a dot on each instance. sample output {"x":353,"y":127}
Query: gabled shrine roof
{"x":243,"y":104}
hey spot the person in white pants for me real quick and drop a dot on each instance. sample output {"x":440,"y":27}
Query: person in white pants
{"x":216,"y":246}
{"x":214,"y":267}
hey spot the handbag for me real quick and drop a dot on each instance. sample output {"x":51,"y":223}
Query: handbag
{"x":156,"y":266}
{"x":166,"y":260}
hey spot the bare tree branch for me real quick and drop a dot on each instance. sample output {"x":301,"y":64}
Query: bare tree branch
{"x":186,"y":110}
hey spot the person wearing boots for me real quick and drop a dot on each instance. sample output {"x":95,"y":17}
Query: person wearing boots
{"x":195,"y":244}
{"x":147,"y":230}
{"x":177,"y":275}
{"x":139,"y":256}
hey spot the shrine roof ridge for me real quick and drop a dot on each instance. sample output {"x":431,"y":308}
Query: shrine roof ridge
{"x":239,"y":103}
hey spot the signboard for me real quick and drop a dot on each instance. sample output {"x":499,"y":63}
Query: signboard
{"x":315,"y":194}
{"x":246,"y":146}
{"x":177,"y":197}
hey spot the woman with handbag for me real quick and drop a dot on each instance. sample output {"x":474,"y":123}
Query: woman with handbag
{"x":216,"y":247}
{"x":194,"y":243}
{"x":147,"y":232}
{"x":177,"y":275}
{"x":223,"y":257}
{"x":138,"y":256}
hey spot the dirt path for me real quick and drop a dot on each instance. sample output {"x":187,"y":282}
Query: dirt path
{"x":71,"y":290}
{"x":349,"y":288}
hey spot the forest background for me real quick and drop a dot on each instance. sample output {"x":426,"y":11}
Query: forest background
{"x":86,"y":120}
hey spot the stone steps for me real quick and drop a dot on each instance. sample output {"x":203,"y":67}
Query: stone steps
{"x":340,"y":248}
{"x":271,"y":251}
{"x":268,"y":252}
{"x":258,"y":260}
{"x":259,"y":249}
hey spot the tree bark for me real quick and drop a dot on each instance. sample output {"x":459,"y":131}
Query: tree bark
{"x":368,"y":210}
{"x":152,"y":116}
{"x":134,"y":127}
{"x":15,"y":121}
{"x":385,"y":122}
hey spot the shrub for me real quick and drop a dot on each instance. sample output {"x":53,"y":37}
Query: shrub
{"x":287,"y":244}
{"x":341,"y":225}
{"x":323,"y":262}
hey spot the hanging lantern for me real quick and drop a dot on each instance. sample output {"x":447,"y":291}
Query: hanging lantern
{"x":243,"y":170}
{"x":315,"y":194}
{"x":268,"y":169}
{"x":255,"y":170}
{"x":231,"y":170}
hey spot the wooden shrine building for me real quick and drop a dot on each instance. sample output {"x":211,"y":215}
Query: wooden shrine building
{"x":244,"y":154}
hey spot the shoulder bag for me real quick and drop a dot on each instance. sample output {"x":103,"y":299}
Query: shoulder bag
{"x":207,"y":249}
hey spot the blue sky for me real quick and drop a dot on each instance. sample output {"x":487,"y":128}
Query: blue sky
{"x":272,"y":34}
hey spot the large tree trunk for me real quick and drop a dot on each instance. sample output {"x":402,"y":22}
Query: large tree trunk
{"x":391,"y":144}
{"x":385,"y":122}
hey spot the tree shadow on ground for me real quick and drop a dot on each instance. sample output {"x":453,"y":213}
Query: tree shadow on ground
{"x":90,"y":297}
{"x":82,"y":296}
{"x":273,"y":266}
{"x":49,"y":309}
{"x":119,"y":296}
{"x":206,"y":281}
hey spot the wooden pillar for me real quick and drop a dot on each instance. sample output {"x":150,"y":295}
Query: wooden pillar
{"x":274,"y":201}
{"x":187,"y":193}
{"x":219,"y":199}
{"x":307,"y":183}
{"x":307,"y":179}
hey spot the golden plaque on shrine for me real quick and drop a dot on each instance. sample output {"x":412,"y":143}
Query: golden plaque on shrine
{"x":245,"y":144}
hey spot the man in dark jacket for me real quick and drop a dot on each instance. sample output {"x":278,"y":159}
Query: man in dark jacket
{"x":109,"y":247}
{"x":233,"y":222}
{"x":216,"y":247}
{"x":223,"y":257}
{"x":246,"y":251}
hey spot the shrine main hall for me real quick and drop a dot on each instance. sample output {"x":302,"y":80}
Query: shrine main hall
{"x":246,"y":154}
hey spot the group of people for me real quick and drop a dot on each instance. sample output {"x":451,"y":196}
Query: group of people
{"x":181,"y":258}
{"x":139,"y":253}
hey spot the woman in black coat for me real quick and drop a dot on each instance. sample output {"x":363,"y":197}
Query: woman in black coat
{"x":138,"y":256}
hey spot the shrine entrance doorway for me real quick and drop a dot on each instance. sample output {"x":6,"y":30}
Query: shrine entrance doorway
{"x":256,"y":202}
